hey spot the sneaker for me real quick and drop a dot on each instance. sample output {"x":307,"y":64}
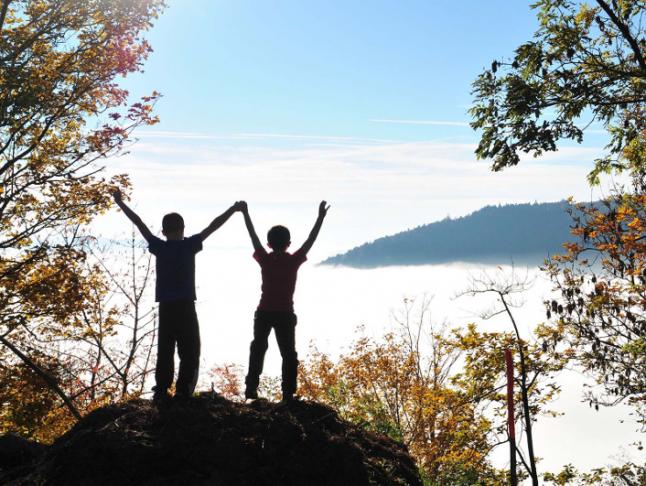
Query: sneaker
{"x":251,"y":394}
{"x":289,"y":397}
{"x":181,"y":397}
{"x":160,"y":396}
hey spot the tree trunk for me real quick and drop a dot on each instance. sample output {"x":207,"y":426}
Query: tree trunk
{"x":3,"y":12}
{"x":523,"y":390}
{"x":528,"y":422}
{"x":511,"y":422}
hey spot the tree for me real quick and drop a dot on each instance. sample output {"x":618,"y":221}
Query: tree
{"x":601,"y":301}
{"x":484,"y":367}
{"x":586,"y":64}
{"x":61,"y":113}
{"x":26,"y":406}
{"x":100,"y":353}
{"x":628,"y":474}
{"x":131,"y":319}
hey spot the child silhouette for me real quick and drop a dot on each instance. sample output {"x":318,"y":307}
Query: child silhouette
{"x":175,"y":292}
{"x":276,"y":307}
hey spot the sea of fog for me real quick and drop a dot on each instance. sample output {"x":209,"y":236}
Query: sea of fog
{"x":333,"y":302}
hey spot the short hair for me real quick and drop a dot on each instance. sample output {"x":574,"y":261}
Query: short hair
{"x":278,"y":237}
{"x":172,"y":222}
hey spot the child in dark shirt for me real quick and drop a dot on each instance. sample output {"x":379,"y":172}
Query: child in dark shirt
{"x":276,"y":307}
{"x":175,"y":292}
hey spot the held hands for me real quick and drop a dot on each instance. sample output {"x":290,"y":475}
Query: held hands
{"x":323,"y":207}
{"x":240,"y":206}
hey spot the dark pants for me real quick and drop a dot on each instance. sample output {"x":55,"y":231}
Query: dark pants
{"x":177,"y":325}
{"x":284,"y":324}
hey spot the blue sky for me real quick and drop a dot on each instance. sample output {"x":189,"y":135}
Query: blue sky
{"x":325,"y":68}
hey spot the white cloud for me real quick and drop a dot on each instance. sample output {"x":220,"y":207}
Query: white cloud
{"x":375,"y":188}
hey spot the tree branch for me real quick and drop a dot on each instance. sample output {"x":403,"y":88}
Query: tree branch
{"x":51,"y":381}
{"x":625,"y":32}
{"x":3,"y":13}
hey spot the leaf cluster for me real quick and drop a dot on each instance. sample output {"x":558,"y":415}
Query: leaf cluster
{"x":628,"y":474}
{"x":585,"y":65}
{"x":601,"y":282}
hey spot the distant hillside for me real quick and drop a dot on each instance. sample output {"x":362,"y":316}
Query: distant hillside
{"x":524,"y":233}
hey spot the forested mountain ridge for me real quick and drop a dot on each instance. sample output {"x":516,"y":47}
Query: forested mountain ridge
{"x":497,"y":234}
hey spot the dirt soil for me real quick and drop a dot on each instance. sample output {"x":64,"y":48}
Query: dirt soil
{"x":209,"y":440}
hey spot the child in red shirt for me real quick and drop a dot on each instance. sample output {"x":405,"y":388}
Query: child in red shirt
{"x":276,"y":307}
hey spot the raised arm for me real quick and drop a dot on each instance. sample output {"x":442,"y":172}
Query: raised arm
{"x":255,"y":241}
{"x":132,"y":216}
{"x":323,"y":207}
{"x":220,"y":220}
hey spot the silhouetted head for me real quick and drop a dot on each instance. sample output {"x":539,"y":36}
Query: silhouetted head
{"x":173,"y":226}
{"x":278,"y":238}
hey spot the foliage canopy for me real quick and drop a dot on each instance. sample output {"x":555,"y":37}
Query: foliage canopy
{"x":62,"y":113}
{"x":586,"y":64}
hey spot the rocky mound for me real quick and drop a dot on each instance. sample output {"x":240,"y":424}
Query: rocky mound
{"x":209,"y":440}
{"x":18,"y":454}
